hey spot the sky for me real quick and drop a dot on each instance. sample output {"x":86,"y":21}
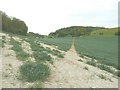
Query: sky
{"x":45,"y":16}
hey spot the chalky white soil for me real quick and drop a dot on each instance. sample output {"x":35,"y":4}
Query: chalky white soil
{"x":70,"y":73}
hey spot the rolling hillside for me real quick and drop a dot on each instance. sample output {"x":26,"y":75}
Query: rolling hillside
{"x":105,"y":32}
{"x":74,"y":31}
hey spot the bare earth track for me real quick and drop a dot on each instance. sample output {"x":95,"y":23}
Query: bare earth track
{"x":70,"y":73}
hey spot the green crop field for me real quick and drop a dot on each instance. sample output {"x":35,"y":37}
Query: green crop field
{"x":105,"y":32}
{"x":102,"y":48}
{"x":62,"y":43}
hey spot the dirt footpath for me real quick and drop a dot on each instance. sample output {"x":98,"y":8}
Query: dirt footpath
{"x":71,"y":73}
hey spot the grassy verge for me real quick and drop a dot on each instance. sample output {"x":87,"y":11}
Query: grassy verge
{"x":103,"y":67}
{"x":54,"y":52}
{"x":20,"y":54}
{"x":2,"y":42}
{"x":38,"y":71}
{"x":38,"y":51}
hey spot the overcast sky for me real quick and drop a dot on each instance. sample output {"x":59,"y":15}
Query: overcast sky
{"x":45,"y":16}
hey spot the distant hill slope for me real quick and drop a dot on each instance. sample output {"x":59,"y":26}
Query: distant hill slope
{"x":110,"y":31}
{"x":84,"y":30}
{"x":74,"y":31}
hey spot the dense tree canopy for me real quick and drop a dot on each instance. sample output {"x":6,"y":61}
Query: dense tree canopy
{"x":13,"y":25}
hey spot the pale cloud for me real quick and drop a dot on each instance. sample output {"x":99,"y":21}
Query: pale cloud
{"x":45,"y":16}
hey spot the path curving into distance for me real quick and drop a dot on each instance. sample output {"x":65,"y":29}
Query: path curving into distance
{"x":71,"y":73}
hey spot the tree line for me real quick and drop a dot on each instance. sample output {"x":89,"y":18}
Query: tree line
{"x":13,"y":25}
{"x":35,"y":35}
{"x":74,"y":31}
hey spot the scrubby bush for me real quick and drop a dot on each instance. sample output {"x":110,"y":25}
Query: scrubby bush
{"x":22,"y":55}
{"x":32,"y":72}
{"x":60,"y":56}
{"x":2,"y":43}
{"x":102,"y":76}
{"x":36,"y":47}
{"x":106,"y":68}
{"x":41,"y":56}
{"x":93,"y":63}
{"x":86,"y":68}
